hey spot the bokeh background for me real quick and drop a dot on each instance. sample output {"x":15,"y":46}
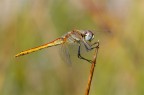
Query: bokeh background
{"x":118,"y":24}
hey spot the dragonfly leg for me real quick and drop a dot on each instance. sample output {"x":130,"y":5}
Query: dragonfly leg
{"x":90,"y":47}
{"x":79,"y":55}
{"x":97,"y":45}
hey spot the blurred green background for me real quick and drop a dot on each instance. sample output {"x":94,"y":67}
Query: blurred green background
{"x":118,"y":24}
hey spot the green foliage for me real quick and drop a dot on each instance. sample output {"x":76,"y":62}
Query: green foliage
{"x":26,"y":24}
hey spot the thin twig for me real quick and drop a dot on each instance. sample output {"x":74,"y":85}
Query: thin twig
{"x":91,"y":71}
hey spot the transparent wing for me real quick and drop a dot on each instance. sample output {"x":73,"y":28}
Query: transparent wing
{"x":65,"y":53}
{"x":69,"y":52}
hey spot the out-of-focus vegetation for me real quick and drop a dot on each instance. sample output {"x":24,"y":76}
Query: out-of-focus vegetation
{"x":118,"y":24}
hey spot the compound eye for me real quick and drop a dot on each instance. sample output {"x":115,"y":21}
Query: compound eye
{"x":89,"y":36}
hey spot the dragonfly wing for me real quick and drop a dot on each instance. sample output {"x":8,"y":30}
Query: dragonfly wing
{"x":65,"y":54}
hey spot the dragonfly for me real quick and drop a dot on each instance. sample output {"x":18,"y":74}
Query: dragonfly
{"x":79,"y":37}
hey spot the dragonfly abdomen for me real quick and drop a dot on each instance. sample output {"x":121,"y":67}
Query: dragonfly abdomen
{"x":50,"y":44}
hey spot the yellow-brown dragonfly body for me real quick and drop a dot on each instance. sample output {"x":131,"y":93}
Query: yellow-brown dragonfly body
{"x":75,"y":36}
{"x":53,"y":43}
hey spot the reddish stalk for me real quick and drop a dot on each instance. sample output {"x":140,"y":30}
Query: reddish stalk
{"x":91,"y":72}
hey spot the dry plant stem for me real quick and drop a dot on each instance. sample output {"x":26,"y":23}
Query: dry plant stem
{"x":91,"y":72}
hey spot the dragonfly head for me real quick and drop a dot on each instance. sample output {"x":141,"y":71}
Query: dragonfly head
{"x":88,"y":35}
